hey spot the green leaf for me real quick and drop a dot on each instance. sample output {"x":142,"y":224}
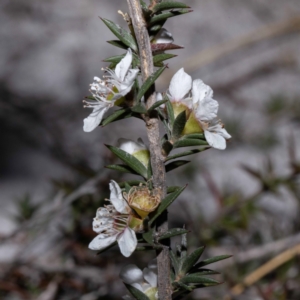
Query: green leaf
{"x":186,"y":153}
{"x":205,"y":272}
{"x":123,"y":35}
{"x":162,"y":57}
{"x":149,"y":171}
{"x":170,"y":112}
{"x":189,"y":143}
{"x":174,"y":261}
{"x":211,"y":260}
{"x":190,"y":260}
{"x":139,"y":108}
{"x":165,"y":203}
{"x":130,"y":182}
{"x":198,"y":279}
{"x":184,"y":286}
{"x":148,"y":83}
{"x":156,"y":104}
{"x":118,"y":44}
{"x":136,"y":293}
{"x":116,"y":59}
{"x":167,"y":147}
{"x":148,"y":236}
{"x":195,"y":136}
{"x":172,"y":189}
{"x":172,"y":232}
{"x":176,"y":164}
{"x":117,"y":115}
{"x":127,"y":187}
{"x":121,"y":168}
{"x":170,"y":14}
{"x":168,"y":5}
{"x":130,"y":160}
{"x":178,"y":125}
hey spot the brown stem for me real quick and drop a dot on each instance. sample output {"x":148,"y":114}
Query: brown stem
{"x":152,"y":125}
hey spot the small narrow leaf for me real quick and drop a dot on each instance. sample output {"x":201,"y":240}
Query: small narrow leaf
{"x":121,"y":168}
{"x":178,"y":125}
{"x":165,"y":203}
{"x":189,"y":143}
{"x":195,"y":136}
{"x":147,"y":84}
{"x":162,"y":57}
{"x":130,"y":160}
{"x":114,"y":59}
{"x":211,"y":260}
{"x":205,"y":272}
{"x":117,"y":115}
{"x":157,"y":104}
{"x":172,"y":232}
{"x":174,"y":261}
{"x":170,"y":112}
{"x":118,"y":44}
{"x":156,"y":48}
{"x":168,"y":5}
{"x":172,"y":189}
{"x":186,"y":153}
{"x":139,"y":108}
{"x":136,"y":293}
{"x":170,"y":14}
{"x":148,"y":236}
{"x":127,"y":187}
{"x":149,"y":171}
{"x":130,"y":182}
{"x":190,"y":260}
{"x":123,"y":35}
{"x":184,"y":286}
{"x":176,"y":164}
{"x":167,"y":147}
{"x":197,"y":279}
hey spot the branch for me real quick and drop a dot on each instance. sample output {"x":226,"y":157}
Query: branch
{"x":152,"y":125}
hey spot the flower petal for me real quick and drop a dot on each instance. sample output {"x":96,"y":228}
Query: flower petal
{"x":215,"y":140}
{"x":127,"y":242}
{"x":131,"y":274}
{"x":95,"y":118}
{"x":201,"y":91}
{"x":123,"y":66}
{"x":150,"y":277}
{"x":117,"y":199}
{"x":207,"y":109}
{"x":180,"y":85}
{"x":163,"y":37}
{"x":102,"y":241}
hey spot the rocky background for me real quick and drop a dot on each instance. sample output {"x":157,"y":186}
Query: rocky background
{"x":243,"y":201}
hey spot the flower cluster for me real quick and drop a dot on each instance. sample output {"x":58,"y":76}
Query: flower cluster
{"x":110,"y":91}
{"x":196,"y":98}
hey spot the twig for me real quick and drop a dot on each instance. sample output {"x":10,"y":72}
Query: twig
{"x":268,"y":267}
{"x":152,"y":125}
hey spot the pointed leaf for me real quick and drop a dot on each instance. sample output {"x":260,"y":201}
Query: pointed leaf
{"x":198,"y":279}
{"x":139,"y":108}
{"x":211,"y":260}
{"x":176,"y":164}
{"x":148,"y":83}
{"x":121,"y":168}
{"x":117,"y":115}
{"x":127,"y":187}
{"x":156,"y":48}
{"x":118,"y":44}
{"x":190,"y":260}
{"x":183,"y":286}
{"x":168,"y":5}
{"x":130,"y":182}
{"x":205,"y":272}
{"x":189,"y":143}
{"x":162,"y":57}
{"x":123,"y":35}
{"x":157,"y":104}
{"x":174,"y":261}
{"x":165,"y":203}
{"x":169,"y":14}
{"x":136,"y":293}
{"x":172,"y":232}
{"x":172,"y":189}
{"x":129,"y":159}
{"x":195,"y":136}
{"x":148,"y":236}
{"x":149,"y":171}
{"x":114,"y":59}
{"x":178,"y":125}
{"x":170,"y":112}
{"x":186,"y":153}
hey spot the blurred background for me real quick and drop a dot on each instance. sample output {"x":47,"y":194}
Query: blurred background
{"x":243,"y":201}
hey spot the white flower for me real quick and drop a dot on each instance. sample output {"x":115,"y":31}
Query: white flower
{"x":115,"y":223}
{"x":163,"y":37}
{"x":106,"y":92}
{"x":145,"y":281}
{"x":137,"y":149}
